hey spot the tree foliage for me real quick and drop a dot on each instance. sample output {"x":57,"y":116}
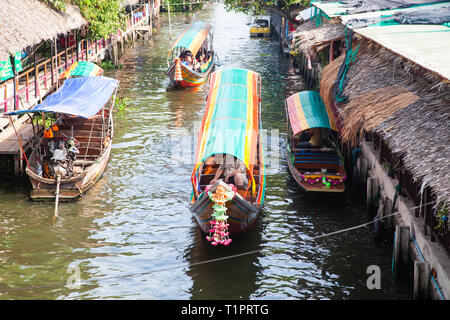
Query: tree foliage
{"x":57,"y":4}
{"x":104,"y":16}
{"x":182,"y":5}
{"x":258,"y":7}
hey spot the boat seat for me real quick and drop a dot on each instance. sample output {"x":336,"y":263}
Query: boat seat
{"x":307,"y":165}
{"x":314,"y":150}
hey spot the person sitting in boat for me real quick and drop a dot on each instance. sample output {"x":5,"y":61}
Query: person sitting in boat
{"x":315,"y":141}
{"x":196,"y":65}
{"x":183,"y":58}
{"x":200,"y":57}
{"x":232,"y":168}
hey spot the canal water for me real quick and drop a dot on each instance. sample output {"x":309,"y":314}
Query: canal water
{"x":133,"y":237}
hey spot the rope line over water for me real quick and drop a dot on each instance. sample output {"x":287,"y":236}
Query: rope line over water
{"x":86,"y":282}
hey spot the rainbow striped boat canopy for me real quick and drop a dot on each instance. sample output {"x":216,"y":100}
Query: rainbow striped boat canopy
{"x":306,"y":110}
{"x":82,"y":69}
{"x":231,"y":122}
{"x":193,"y":38}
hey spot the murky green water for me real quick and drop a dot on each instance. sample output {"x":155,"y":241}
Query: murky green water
{"x":133,"y":237}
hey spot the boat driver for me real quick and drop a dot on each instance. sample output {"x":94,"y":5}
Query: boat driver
{"x":231,"y":167}
{"x":315,"y":141}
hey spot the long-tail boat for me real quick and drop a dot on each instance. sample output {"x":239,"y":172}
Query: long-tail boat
{"x":78,"y":145}
{"x":191,"y":58}
{"x":231,"y":128}
{"x":317,"y":168}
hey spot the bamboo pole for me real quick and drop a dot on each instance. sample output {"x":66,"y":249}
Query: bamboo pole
{"x":58,"y":182}
{"x":170,"y":25}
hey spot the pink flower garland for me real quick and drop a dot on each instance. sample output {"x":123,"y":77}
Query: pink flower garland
{"x":218,"y":234}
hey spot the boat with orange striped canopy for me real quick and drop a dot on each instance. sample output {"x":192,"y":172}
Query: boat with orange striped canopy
{"x":231,"y":129}
{"x":312,"y":152}
{"x":191,"y":58}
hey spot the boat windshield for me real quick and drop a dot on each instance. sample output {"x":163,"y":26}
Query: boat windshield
{"x":262,"y":23}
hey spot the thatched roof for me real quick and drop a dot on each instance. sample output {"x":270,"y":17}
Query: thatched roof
{"x":369,"y":110}
{"x":308,"y":38}
{"x":408,"y":107}
{"x":27,"y":22}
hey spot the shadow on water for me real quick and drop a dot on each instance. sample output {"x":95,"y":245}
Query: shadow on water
{"x":233,"y":278}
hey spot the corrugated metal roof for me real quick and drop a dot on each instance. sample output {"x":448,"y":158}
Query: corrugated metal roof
{"x":426,"y":45}
{"x":331,"y":9}
{"x":387,"y":13}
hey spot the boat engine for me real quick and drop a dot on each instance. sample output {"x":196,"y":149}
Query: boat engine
{"x":62,"y":155}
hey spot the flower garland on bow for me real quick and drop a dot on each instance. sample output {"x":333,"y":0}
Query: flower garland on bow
{"x":218,"y":234}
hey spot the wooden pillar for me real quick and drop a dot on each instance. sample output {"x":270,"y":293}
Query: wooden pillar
{"x":66,"y":52}
{"x":388,"y":209}
{"x":76,"y":45}
{"x":364,"y":169}
{"x":56,"y":63}
{"x":425,"y":210}
{"x":21,"y":159}
{"x":378,"y":222}
{"x":401,"y":249}
{"x":13,"y":66}
{"x":368,"y":189}
{"x":16,"y":165}
{"x":52,"y":66}
{"x":36,"y":76}
{"x":421,"y":287}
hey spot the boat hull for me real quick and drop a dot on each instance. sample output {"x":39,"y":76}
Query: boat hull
{"x":260,"y":32}
{"x":242,"y":214}
{"x":190,"y":78}
{"x":317,"y":186}
{"x":72,"y":189}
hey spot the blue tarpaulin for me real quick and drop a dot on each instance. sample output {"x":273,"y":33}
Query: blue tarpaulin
{"x":83,"y":97}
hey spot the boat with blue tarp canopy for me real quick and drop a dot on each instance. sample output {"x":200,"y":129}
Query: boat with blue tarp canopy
{"x":82,"y":97}
{"x":73,"y":151}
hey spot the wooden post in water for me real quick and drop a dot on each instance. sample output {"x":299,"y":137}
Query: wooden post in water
{"x":368,"y":189}
{"x":363,"y":173}
{"x":388,"y":209}
{"x":421,"y":287}
{"x":378,"y":222}
{"x":401,"y":249}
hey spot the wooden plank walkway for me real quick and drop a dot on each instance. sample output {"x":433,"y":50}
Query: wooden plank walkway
{"x":9,"y":144}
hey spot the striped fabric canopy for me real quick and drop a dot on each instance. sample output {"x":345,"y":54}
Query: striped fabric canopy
{"x":193,"y":38}
{"x":82,"y":69}
{"x":307,"y":110}
{"x":231,"y":120}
